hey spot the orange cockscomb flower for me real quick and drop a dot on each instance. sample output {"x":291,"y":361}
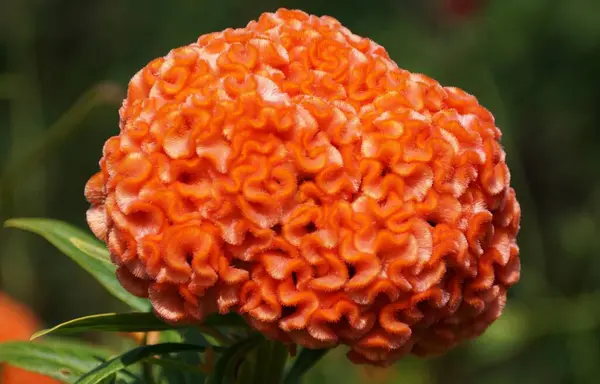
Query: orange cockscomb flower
{"x":291,"y":172}
{"x":18,"y":323}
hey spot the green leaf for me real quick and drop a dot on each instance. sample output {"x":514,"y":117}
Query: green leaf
{"x":134,"y":356}
{"x":130,"y":322}
{"x":108,"y":322}
{"x":62,"y":360}
{"x":303,"y":363}
{"x":82,"y":248}
{"x":225,"y":368}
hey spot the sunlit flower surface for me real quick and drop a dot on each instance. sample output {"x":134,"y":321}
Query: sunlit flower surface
{"x":18,"y":323}
{"x":291,"y":172}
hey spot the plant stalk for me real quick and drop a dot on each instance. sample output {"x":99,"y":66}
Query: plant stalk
{"x":265,"y":364}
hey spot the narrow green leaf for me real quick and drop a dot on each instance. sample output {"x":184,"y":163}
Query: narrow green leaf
{"x":225,"y":368}
{"x":134,"y":356}
{"x":108,"y":322}
{"x":130,"y":322}
{"x":61,"y":360}
{"x":303,"y":363}
{"x":82,"y":248}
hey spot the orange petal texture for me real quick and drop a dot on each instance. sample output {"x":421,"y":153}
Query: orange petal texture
{"x":291,"y":172}
{"x":18,"y":323}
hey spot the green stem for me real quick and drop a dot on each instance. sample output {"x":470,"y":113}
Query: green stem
{"x":254,"y":360}
{"x":279,"y":357}
{"x":146,"y":366}
{"x":174,"y":364}
{"x":303,"y":363}
{"x":262,"y":361}
{"x":270,"y":358}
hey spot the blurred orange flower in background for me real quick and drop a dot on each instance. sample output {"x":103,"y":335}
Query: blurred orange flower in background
{"x":17,"y":322}
{"x":291,"y":172}
{"x":463,"y":8}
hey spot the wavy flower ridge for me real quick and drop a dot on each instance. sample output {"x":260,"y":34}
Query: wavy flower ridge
{"x":290,"y":171}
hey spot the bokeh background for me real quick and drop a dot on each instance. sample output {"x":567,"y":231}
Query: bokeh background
{"x":64,"y":66}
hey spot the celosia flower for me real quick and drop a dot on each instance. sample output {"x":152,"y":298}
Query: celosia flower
{"x":18,"y":323}
{"x":291,"y":172}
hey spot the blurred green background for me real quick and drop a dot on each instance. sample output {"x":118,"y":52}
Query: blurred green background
{"x":64,"y":66}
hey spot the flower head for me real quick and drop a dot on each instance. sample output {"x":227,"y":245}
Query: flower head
{"x":17,"y":323}
{"x":291,"y":172}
